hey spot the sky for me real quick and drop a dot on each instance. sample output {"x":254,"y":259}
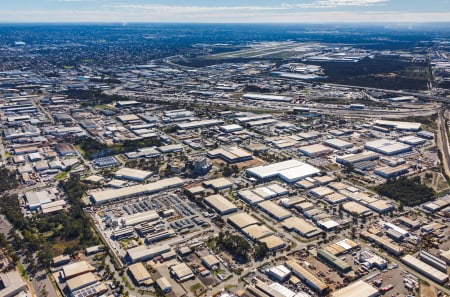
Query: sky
{"x":225,"y":11}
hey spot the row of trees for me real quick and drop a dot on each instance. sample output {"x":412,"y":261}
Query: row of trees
{"x":8,"y":179}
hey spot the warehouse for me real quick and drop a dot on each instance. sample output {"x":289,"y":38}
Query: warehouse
{"x":425,"y":269}
{"x":381,"y":206}
{"x":426,"y":134}
{"x":373,"y":259}
{"x":60,"y":260}
{"x":273,"y":242}
{"x":310,"y":279}
{"x":356,"y":209}
{"x":321,"y":192}
{"x":389,"y":172}
{"x":11,"y":284}
{"x":338,"y":144}
{"x":199,"y":124}
{"x":333,"y":261}
{"x":387,"y":147}
{"x":300,"y":226}
{"x":144,"y":253}
{"x":384,"y":243}
{"x":231,"y":128}
{"x":242,"y":220}
{"x":289,"y":171}
{"x":181,"y":272}
{"x":434,"y":261}
{"x":230,"y":154}
{"x":402,"y":126}
{"x":256,"y":232}
{"x":164,"y":285}
{"x":218,"y":184}
{"x":139,"y":274}
{"x":265,"y":97}
{"x":220,"y":204}
{"x":37,"y":199}
{"x":292,"y":201}
{"x":315,"y":150}
{"x":211,"y":262}
{"x":171,"y":148}
{"x":259,"y":194}
{"x":132,"y":174}
{"x":138,"y":218}
{"x":274,"y":210}
{"x":105,"y":196}
{"x":335,"y":198}
{"x":280,"y":273}
{"x":356,"y":158}
{"x":250,"y":197}
{"x":75,"y":269}
{"x":357,"y":289}
{"x":412,"y":140}
{"x":341,"y":247}
{"x":128,"y":118}
{"x":81,"y":281}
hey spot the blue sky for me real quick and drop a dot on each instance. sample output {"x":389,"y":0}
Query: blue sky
{"x":220,"y":11}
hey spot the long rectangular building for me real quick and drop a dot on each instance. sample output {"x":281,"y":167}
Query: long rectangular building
{"x":310,"y":279}
{"x":290,"y":171}
{"x":425,"y":269}
{"x":220,"y":204}
{"x":106,"y":196}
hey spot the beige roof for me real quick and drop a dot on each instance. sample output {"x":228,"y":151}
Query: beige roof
{"x":218,"y":183}
{"x":357,"y":289}
{"x":273,"y":242}
{"x":242,"y":220}
{"x":139,"y":272}
{"x":210,"y":260}
{"x":275,"y":210}
{"x":257,"y":231}
{"x":355,"y":207}
{"x":81,"y":281}
{"x":220,"y":203}
{"x":73,"y":269}
{"x":299,"y":224}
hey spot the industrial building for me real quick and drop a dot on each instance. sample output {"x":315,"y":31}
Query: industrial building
{"x":220,"y":204}
{"x":300,"y":226}
{"x":389,"y":172}
{"x":199,"y":124}
{"x":11,"y":284}
{"x":218,"y":184}
{"x":425,"y":269}
{"x":315,"y":150}
{"x":412,"y":140}
{"x":384,"y":243}
{"x":211,"y":262}
{"x":274,"y":210}
{"x":280,"y":273}
{"x":356,"y":209}
{"x":289,"y":171}
{"x":259,"y":194}
{"x":387,"y":147}
{"x":357,"y":289}
{"x":106,"y":196}
{"x":181,"y":272}
{"x":333,"y":261}
{"x":132,"y":174}
{"x":265,"y":97}
{"x":357,"y":158}
{"x":164,"y":284}
{"x":242,"y":220}
{"x":138,"y":218}
{"x":341,"y":247}
{"x":309,"y":278}
{"x":230,"y":154}
{"x":273,"y":242}
{"x":81,"y":281}
{"x":338,"y":144}
{"x":75,"y":269}
{"x":257,"y":232}
{"x":140,"y":274}
{"x":231,"y":128}
{"x":402,"y":126}
{"x":144,"y":253}
{"x":434,"y":261}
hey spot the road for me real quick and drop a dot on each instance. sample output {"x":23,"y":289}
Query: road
{"x":443,"y":142}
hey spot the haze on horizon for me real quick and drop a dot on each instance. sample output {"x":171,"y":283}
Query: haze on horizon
{"x":225,"y":11}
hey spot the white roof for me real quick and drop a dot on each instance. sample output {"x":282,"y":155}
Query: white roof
{"x":290,"y":171}
{"x":131,"y":173}
{"x":356,"y":289}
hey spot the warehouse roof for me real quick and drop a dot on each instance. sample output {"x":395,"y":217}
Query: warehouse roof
{"x":425,"y":269}
{"x":220,"y":203}
{"x":315,"y":149}
{"x":275,"y":210}
{"x":386,"y":146}
{"x":338,"y":143}
{"x":73,"y":269}
{"x":299,"y":225}
{"x":139,"y":272}
{"x":218,"y":183}
{"x":290,"y":171}
{"x":356,"y":289}
{"x":257,"y":232}
{"x":305,"y":274}
{"x":131,"y":173}
{"x":182,"y":271}
{"x":273,"y":242}
{"x":81,"y":281}
{"x":139,"y":217}
{"x":242,"y":220}
{"x":109,"y":195}
{"x":399,"y":125}
{"x":210,"y":260}
{"x":355,"y":207}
